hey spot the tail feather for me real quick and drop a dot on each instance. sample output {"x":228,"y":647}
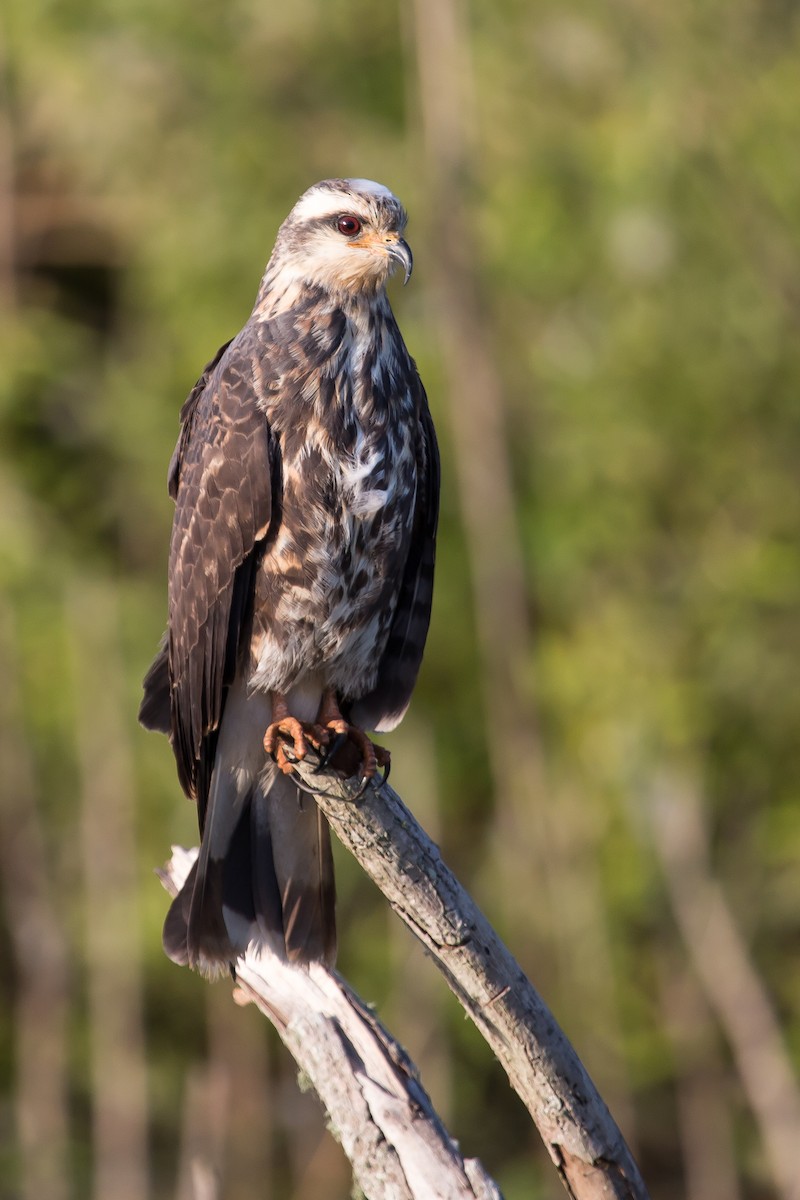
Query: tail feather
{"x":264,"y":876}
{"x":304,"y":872}
{"x":176,"y":925}
{"x":258,"y":875}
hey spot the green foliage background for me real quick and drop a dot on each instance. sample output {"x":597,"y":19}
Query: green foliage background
{"x":632,"y":198}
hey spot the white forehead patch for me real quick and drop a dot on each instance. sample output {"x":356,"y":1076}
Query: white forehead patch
{"x":319,"y":202}
{"x":369,"y":185}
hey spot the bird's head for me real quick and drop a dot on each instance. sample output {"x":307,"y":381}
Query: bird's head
{"x":345,"y":235}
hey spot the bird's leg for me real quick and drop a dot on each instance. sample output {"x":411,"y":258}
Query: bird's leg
{"x":330,"y":720}
{"x":299,"y":733}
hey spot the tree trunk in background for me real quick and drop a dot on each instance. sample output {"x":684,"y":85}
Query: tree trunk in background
{"x":540,"y":847}
{"x":206,"y":1105}
{"x":41,"y":955}
{"x":246,"y":1111}
{"x":703,"y":1088}
{"x":8,"y":287}
{"x":729,"y":979}
{"x":114,"y":982}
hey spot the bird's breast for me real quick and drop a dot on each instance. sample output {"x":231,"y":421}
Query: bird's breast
{"x":347,"y":512}
{"x":330,"y":575}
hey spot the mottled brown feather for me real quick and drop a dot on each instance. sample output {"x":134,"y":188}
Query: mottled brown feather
{"x":383,"y":708}
{"x":224,"y":440}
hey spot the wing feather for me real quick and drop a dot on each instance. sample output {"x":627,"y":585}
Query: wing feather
{"x":154,"y":711}
{"x":384,"y":707}
{"x":221,"y":481}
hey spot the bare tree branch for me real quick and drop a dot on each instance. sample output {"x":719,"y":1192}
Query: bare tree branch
{"x":371,"y":1091}
{"x":324,"y":1024}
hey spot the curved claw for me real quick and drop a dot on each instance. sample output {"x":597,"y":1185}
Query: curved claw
{"x":370,"y":776}
{"x":383,"y":761}
{"x":364,"y":785}
{"x":330,"y":751}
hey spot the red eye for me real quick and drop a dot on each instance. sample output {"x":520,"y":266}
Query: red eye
{"x":348,"y":225}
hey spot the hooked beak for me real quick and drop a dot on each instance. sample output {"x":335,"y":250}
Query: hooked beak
{"x":399,"y":251}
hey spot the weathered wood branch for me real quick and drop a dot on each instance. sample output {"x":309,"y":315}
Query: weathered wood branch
{"x":371,"y":1090}
{"x":584,"y":1143}
{"x":582,"y":1138}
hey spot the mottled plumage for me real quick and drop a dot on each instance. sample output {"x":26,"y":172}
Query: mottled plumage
{"x":306,"y":484}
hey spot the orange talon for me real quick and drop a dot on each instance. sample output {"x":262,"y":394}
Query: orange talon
{"x":329,"y":726}
{"x":284,"y":725}
{"x":331,"y":719}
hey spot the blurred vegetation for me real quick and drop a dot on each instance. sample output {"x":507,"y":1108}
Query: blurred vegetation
{"x":630,"y":192}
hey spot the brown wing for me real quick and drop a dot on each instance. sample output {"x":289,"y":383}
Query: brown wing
{"x":187,"y":419}
{"x":383,"y":708}
{"x":154,"y":711}
{"x":221,"y":481}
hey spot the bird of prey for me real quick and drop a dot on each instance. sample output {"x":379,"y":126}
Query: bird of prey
{"x":305,"y":482}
